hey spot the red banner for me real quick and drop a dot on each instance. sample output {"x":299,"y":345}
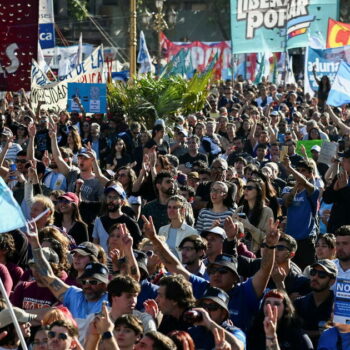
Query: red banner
{"x":18,"y":43}
{"x":338,"y":34}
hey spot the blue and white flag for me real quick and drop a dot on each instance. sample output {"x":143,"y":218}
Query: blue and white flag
{"x":46,"y":24}
{"x":340,"y":91}
{"x":11,"y":213}
{"x":144,"y":58}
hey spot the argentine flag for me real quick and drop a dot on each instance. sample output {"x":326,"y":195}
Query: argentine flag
{"x":340,"y":91}
{"x":144,"y":57}
{"x":10,"y":212}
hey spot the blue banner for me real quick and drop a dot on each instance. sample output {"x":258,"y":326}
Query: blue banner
{"x":342,"y":301}
{"x":261,"y":25}
{"x":326,"y":62}
{"x":47,"y":35}
{"x":93,"y":97}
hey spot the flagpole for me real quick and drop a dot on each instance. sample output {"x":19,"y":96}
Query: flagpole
{"x":133,"y":39}
{"x":13,"y":316}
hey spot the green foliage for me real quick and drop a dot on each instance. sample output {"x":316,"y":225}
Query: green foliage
{"x":147,"y":98}
{"x":77,"y":9}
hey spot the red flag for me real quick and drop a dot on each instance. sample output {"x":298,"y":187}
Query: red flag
{"x":338,"y":34}
{"x":18,"y":43}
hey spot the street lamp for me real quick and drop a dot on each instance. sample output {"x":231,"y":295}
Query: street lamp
{"x":133,"y":38}
{"x":156,"y":20}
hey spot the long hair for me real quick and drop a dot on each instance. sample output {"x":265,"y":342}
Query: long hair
{"x":75,"y":216}
{"x":131,"y":176}
{"x":114,"y":152}
{"x":182,"y":340}
{"x":255,"y":214}
{"x":77,"y":145}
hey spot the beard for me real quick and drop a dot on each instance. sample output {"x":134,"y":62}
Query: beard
{"x":53,"y":165}
{"x":170,"y":191}
{"x":112,"y":208}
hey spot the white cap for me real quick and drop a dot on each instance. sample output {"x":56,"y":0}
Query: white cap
{"x":316,"y":148}
{"x":160,"y":122}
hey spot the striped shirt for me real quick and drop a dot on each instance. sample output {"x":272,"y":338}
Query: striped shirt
{"x":206,"y":218}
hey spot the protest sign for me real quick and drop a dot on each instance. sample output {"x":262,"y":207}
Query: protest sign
{"x":18,"y":44}
{"x":259,"y":25}
{"x":12,"y":217}
{"x":342,"y":301}
{"x":308,"y":144}
{"x":328,"y":152}
{"x":93,"y":97}
{"x":54,"y":95}
{"x":326,"y":62}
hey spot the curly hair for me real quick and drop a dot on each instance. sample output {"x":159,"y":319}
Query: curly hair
{"x":7,"y":243}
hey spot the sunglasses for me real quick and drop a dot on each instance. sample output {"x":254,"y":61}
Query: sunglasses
{"x":249,"y":188}
{"x":149,"y":253}
{"x":209,"y":307}
{"x":91,"y":282}
{"x":221,"y":270}
{"x":281,"y":247}
{"x":320,"y":273}
{"x":62,"y":336}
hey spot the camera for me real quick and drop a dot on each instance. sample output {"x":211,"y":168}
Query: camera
{"x":192,"y":316}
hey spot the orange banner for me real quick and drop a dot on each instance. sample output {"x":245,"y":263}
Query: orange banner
{"x":338,"y":34}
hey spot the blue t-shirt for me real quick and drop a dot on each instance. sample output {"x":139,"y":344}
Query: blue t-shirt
{"x":204,"y":339}
{"x":329,"y":338}
{"x":148,"y":291}
{"x":243,"y":302}
{"x":300,"y":215}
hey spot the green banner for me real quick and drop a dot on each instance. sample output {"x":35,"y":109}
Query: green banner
{"x":308,"y":144}
{"x":262,"y":25}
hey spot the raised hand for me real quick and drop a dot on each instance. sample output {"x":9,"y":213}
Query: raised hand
{"x":286,"y":162}
{"x":32,"y":234}
{"x":151,"y":307}
{"x":230,"y":228}
{"x":32,"y":130}
{"x":103,"y":322}
{"x":220,"y":342}
{"x":270,"y":321}
{"x":46,"y":159}
{"x":278,"y":275}
{"x":52,"y":130}
{"x":342,"y":181}
{"x":273,"y":235}
{"x":148,"y":228}
{"x":125,"y":237}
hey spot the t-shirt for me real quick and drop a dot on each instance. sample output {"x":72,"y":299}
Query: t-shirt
{"x":188,"y":161}
{"x":206,"y":218}
{"x":329,"y":338}
{"x":163,"y":148}
{"x":171,"y":241}
{"x":55,"y":181}
{"x":243,"y":303}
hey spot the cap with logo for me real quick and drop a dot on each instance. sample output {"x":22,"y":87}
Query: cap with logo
{"x":118,"y":189}
{"x":97,"y":271}
{"x":228,"y":261}
{"x":21,"y":316}
{"x":218,"y":296}
{"x":327,"y":265}
{"x":216,"y":230}
{"x":70,"y":196}
{"x":85,"y":249}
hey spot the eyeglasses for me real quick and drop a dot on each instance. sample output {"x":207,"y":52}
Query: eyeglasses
{"x":62,"y":336}
{"x":186,"y":249}
{"x":249,"y":188}
{"x":320,"y":273}
{"x":281,"y":247}
{"x":221,"y":270}
{"x":217,"y":190}
{"x":91,"y":282}
{"x":209,"y":307}
{"x":22,"y":161}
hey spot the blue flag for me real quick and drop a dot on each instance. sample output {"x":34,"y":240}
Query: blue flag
{"x":144,"y":57}
{"x":10,"y":212}
{"x":340,"y":91}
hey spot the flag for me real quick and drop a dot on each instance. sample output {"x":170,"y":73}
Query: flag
{"x":340,"y":91}
{"x":46,"y":24}
{"x":11,"y":214}
{"x":290,"y":78}
{"x":78,"y":57}
{"x":143,"y":57}
{"x":338,"y":34}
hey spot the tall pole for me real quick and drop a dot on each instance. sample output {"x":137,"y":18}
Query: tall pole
{"x":133,"y":38}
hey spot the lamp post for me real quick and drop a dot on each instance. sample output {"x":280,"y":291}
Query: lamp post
{"x":156,"y":20}
{"x":133,"y":38}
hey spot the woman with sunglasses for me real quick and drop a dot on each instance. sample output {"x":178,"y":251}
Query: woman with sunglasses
{"x":220,"y":207}
{"x":257,"y":214}
{"x":177,"y":230}
{"x":119,"y":156}
{"x":276,"y":325}
{"x":69,"y":218}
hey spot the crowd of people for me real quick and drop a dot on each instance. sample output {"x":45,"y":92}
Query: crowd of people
{"x":207,"y":232}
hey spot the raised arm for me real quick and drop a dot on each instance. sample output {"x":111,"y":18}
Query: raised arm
{"x":57,"y":287}
{"x":314,"y":73}
{"x":168,"y":259}
{"x":262,"y":276}
{"x":30,"y":149}
{"x":343,"y":127}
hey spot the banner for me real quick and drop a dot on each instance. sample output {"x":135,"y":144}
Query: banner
{"x":277,"y":24}
{"x":326,"y":62}
{"x":308,"y":144}
{"x":200,"y":53}
{"x":55,"y":94}
{"x":340,"y":90}
{"x":338,"y":34}
{"x":18,"y":44}
{"x":93,"y":97}
{"x":46,"y":24}
{"x":342,"y":301}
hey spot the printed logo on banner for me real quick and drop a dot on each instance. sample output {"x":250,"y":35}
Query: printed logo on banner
{"x":47,"y":35}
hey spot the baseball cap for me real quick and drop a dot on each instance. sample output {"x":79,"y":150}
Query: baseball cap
{"x":84,"y":153}
{"x":218,"y":296}
{"x":21,"y":316}
{"x":70,"y":196}
{"x":181,"y":130}
{"x":274,"y":113}
{"x":49,"y":254}
{"x":193,"y":174}
{"x":118,"y":189}
{"x":228,"y":261}
{"x":141,"y":259}
{"x":327,"y":265}
{"x":97,"y":271}
{"x":86,"y":248}
{"x":160,"y":122}
{"x":216,"y":230}
{"x":316,"y":148}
